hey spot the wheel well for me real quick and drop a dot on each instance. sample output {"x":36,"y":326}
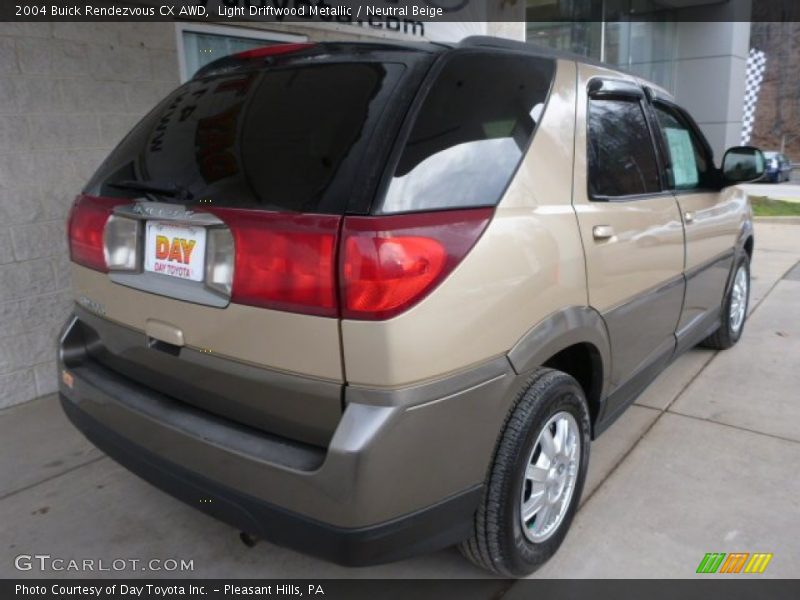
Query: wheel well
{"x":748,"y":247}
{"x":584,"y":363}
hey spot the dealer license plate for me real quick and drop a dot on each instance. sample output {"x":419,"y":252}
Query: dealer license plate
{"x":175,"y":250}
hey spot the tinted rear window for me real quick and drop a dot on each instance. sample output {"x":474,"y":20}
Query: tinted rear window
{"x":280,"y":139}
{"x":470,"y":133}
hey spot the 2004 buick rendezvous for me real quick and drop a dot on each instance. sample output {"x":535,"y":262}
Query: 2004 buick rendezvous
{"x":370,"y":300}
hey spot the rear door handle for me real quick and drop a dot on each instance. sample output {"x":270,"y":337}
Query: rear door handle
{"x":688,"y":217}
{"x":602,"y":232}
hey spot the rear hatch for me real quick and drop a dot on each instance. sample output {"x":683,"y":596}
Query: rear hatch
{"x":205,"y":246}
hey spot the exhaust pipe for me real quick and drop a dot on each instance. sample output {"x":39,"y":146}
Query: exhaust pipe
{"x":248,"y":539}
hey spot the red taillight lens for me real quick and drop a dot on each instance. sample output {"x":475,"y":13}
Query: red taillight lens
{"x":392,"y":262}
{"x":283,"y":261}
{"x":86,"y":226}
{"x":273,"y":50}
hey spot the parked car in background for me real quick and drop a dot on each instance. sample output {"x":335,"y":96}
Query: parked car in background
{"x":778,"y":167}
{"x":372,"y":300}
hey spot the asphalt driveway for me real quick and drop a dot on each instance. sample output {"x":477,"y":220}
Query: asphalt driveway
{"x":707,"y":460}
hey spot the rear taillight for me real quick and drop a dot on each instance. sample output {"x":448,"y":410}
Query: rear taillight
{"x":367,"y":268}
{"x":390,"y":263}
{"x":86,"y":227}
{"x":283,"y":261}
{"x":386,"y":264}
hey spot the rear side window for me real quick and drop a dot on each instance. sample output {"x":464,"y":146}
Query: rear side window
{"x":277,"y":139}
{"x":622,"y":160}
{"x":470,"y":133}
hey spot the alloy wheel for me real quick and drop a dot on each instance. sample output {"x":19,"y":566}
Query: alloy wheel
{"x":739,"y":295}
{"x":550,"y":476}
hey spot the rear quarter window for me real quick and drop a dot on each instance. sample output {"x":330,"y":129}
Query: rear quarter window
{"x":470,"y":132}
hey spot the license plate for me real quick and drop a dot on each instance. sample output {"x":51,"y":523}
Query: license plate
{"x":175,"y":250}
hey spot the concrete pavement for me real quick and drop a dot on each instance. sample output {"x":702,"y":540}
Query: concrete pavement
{"x":787,"y":191}
{"x":705,"y":461}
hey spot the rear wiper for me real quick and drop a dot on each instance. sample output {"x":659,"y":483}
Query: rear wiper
{"x":172,"y":191}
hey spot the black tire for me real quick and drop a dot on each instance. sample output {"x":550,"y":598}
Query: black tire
{"x":727,"y":335}
{"x":498,"y":543}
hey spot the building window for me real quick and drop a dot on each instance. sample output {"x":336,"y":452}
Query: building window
{"x":199,"y":45}
{"x":602,"y":30}
{"x":584,"y":38}
{"x":646,"y":49}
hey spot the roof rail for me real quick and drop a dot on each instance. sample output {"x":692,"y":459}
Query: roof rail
{"x":494,"y":42}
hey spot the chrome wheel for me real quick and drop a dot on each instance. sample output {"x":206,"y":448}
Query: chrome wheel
{"x":739,"y":299}
{"x":550,"y":476}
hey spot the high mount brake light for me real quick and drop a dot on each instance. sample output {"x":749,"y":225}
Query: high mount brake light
{"x":272,"y":50}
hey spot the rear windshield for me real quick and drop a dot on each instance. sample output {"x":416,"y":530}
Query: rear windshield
{"x":470,"y":133}
{"x":281,"y":139}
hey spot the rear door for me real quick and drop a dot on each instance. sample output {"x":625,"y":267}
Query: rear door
{"x":630,"y":225}
{"x":712,"y":218}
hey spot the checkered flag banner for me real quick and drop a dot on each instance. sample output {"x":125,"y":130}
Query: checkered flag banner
{"x":756,"y":64}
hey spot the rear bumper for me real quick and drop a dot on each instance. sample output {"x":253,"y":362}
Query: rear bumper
{"x":402,"y":474}
{"x":435,"y":527}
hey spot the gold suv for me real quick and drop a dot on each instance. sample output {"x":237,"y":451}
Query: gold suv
{"x":371,"y":300}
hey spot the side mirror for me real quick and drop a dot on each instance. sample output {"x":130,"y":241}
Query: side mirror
{"x":742,"y":164}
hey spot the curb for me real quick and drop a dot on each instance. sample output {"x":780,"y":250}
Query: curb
{"x":778,"y":220}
